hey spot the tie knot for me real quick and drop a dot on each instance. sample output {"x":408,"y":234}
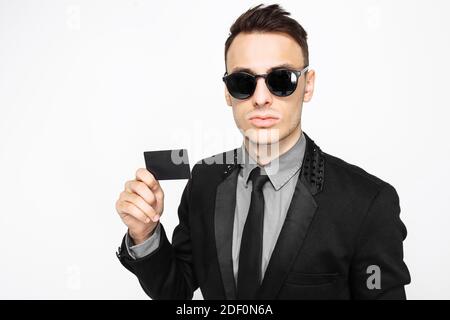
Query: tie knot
{"x":258,"y":179}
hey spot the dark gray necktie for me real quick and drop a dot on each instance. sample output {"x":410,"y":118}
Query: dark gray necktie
{"x":250,"y":254}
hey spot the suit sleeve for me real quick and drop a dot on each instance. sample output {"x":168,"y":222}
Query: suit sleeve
{"x":167,"y":272}
{"x":377,"y":269}
{"x":146,"y":247}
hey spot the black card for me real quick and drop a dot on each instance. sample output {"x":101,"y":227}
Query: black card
{"x":168,"y":164}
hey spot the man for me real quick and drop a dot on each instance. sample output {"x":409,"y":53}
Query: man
{"x":277,"y":218}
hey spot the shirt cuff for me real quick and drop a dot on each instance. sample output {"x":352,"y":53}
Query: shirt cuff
{"x":144,"y":248}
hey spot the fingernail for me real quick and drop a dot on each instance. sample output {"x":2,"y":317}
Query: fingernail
{"x":155,"y":218}
{"x":147,"y":220}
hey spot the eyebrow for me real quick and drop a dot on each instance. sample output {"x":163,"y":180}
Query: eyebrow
{"x":280,"y":66}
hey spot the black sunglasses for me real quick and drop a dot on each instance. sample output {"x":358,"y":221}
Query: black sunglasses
{"x":280,"y":82}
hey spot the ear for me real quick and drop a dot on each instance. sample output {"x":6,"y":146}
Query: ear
{"x":309,"y":86}
{"x":228,"y":97}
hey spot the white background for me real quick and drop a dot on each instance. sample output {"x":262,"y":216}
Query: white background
{"x":87,"y":86}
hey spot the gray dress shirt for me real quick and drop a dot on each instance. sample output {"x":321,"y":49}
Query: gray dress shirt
{"x":283,"y":174}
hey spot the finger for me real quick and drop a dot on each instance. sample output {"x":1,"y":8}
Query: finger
{"x":126,"y":207}
{"x":142,"y":190}
{"x":159,"y":195}
{"x":139,"y":202}
{"x":148,"y":178}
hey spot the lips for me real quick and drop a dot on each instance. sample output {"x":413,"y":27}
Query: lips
{"x":264,"y":121}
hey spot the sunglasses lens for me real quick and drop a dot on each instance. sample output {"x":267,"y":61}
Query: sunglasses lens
{"x":240,"y":85}
{"x":282,"y":82}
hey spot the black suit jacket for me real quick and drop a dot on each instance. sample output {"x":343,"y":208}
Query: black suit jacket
{"x":341,"y":221}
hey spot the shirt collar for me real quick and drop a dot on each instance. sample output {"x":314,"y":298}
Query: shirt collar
{"x":279,"y":170}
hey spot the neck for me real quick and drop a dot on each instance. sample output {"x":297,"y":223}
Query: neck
{"x":265,"y":153}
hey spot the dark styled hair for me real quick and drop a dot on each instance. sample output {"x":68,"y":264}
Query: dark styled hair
{"x":272,"y":18}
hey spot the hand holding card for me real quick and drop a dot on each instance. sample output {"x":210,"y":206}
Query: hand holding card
{"x":141,"y":204}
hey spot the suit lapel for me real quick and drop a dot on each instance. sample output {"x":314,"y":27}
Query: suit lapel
{"x":224,"y":209}
{"x":223,"y":225}
{"x":299,"y":216}
{"x":298,"y":219}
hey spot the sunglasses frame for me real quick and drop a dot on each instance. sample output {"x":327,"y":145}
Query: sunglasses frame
{"x":298,"y":74}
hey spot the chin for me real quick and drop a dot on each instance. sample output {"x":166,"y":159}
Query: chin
{"x":263,"y":135}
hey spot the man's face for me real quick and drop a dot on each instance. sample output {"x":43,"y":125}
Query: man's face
{"x":259,"y":52}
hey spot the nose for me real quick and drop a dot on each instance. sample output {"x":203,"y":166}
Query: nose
{"x":262,"y":96}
